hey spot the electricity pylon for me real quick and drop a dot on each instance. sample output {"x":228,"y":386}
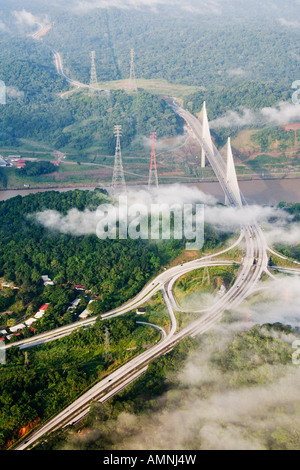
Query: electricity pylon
{"x":132,"y":80}
{"x":93,"y":80}
{"x":118,"y":181}
{"x":107,"y":351}
{"x":206,"y":276}
{"x":153,"y":178}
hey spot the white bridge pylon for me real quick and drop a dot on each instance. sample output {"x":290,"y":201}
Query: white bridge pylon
{"x":205,"y":135}
{"x":231,"y":178}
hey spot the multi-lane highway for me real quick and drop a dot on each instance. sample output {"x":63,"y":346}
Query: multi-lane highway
{"x":254,"y":264}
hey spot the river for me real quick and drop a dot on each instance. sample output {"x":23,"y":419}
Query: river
{"x":255,"y":192}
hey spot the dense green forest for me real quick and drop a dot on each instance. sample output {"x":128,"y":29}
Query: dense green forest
{"x":36,"y":384}
{"x":186,"y":48}
{"x":81,"y":122}
{"x":38,"y":168}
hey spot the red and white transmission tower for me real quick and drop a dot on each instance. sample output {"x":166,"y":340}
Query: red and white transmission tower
{"x":118,"y":181}
{"x":153,"y":178}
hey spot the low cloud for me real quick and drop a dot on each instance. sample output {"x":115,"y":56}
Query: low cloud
{"x":14,"y":93}
{"x":199,"y":7}
{"x":283,"y":113}
{"x":26,"y":18}
{"x":239,"y":72}
{"x":278,"y":302}
{"x":223,"y":218}
{"x":289,"y":23}
{"x":226,"y":217}
{"x":85,"y":222}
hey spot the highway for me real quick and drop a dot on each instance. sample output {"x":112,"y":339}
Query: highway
{"x":60,"y":71}
{"x":254,"y":264}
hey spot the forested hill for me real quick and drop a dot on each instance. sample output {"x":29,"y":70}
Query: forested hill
{"x":82,"y":122}
{"x":196,"y":43}
{"x":118,"y":269}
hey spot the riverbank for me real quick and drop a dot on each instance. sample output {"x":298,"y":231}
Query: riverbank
{"x":255,"y":192}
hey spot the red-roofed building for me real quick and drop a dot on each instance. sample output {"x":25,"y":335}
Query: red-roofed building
{"x":21,"y":163}
{"x":44,"y":308}
{"x":56,"y":163}
{"x":79,"y":287}
{"x":2,"y":339}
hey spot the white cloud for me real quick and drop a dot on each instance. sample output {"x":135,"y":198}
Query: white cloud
{"x":199,"y":7}
{"x":239,"y":72}
{"x":289,"y":23}
{"x":227,"y":218}
{"x":280,"y":302}
{"x":25,"y":18}
{"x":14,"y":93}
{"x":283,"y":113}
{"x":85,"y":222}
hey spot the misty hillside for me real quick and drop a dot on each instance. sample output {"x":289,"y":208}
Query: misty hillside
{"x":199,"y":43}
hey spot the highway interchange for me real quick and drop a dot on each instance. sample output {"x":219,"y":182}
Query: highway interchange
{"x":253,"y":265}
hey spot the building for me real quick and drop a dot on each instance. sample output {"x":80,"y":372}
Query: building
{"x":140,"y":311}
{"x":74,"y":304}
{"x":43,"y":308}
{"x":19,"y":327}
{"x":47,"y":281}
{"x":4,"y":163}
{"x":21,"y":163}
{"x":79,"y":287}
{"x":11,"y":336}
{"x":84,"y":315}
{"x":41,"y":312}
{"x":14,"y":158}
{"x":3,"y":332}
{"x":9,"y":285}
{"x":30,"y":321}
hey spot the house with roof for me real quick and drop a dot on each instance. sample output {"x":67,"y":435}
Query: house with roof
{"x":47,"y":281}
{"x":140,"y":311}
{"x":41,"y":311}
{"x":19,"y":327}
{"x":21,"y":163}
{"x":11,"y":336}
{"x":79,"y":287}
{"x":30,"y":321}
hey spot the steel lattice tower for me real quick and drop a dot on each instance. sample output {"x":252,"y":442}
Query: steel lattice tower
{"x":132,"y":79}
{"x":153,"y":178}
{"x":93,"y":81}
{"x":118,"y":181}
